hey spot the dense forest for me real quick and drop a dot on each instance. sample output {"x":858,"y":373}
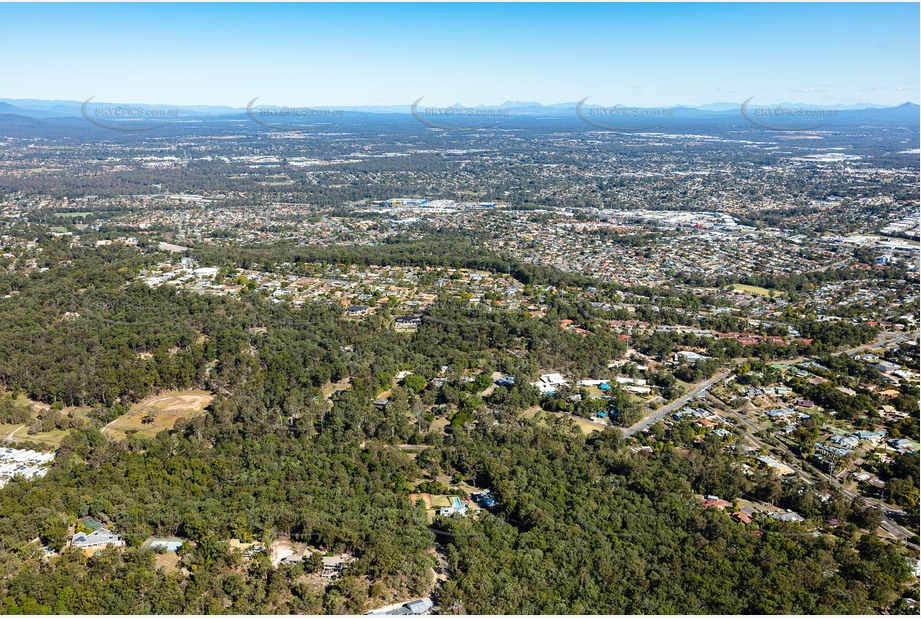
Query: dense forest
{"x":439,"y":248}
{"x":586,"y":526}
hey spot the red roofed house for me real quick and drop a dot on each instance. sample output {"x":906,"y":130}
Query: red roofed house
{"x":742,"y":518}
{"x":713,"y":501}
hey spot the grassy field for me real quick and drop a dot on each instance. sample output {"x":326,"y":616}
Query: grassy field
{"x":5,"y":430}
{"x":52,"y":437}
{"x":751,"y":289}
{"x":165,"y":409}
{"x":438,"y":425}
{"x":168,"y":562}
{"x":331,"y":387}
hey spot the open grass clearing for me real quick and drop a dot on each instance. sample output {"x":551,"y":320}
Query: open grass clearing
{"x":751,"y":289}
{"x":159,"y":412}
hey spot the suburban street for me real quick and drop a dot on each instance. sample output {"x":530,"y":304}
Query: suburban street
{"x":882,"y":340}
{"x":664,"y":411}
{"x":810,"y":477}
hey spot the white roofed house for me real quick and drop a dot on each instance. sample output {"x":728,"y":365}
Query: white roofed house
{"x":96,"y":540}
{"x":420,"y":606}
{"x":688,"y":356}
{"x":788,"y":516}
{"x":411,"y":322}
{"x":333,"y":565}
{"x":357,"y":310}
{"x":549,"y":383}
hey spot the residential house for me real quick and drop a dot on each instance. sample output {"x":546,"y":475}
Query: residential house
{"x":775,"y":466}
{"x":96,"y":540}
{"x":688,"y":356}
{"x":788,"y":516}
{"x":410,"y":322}
{"x":357,"y":310}
{"x":742,"y":518}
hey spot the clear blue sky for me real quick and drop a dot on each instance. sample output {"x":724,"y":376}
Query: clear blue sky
{"x":372,"y":54}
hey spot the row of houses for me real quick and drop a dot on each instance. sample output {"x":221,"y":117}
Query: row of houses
{"x":747,"y":514}
{"x":549,"y":383}
{"x":23,"y":463}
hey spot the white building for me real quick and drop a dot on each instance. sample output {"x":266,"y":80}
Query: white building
{"x":549,"y":382}
{"x":22,"y":463}
{"x":96,"y":539}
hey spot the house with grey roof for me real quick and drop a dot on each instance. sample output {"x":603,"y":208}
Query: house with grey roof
{"x":420,"y":606}
{"x":789,"y":516}
{"x":97,"y":539}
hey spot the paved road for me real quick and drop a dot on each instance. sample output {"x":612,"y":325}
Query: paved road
{"x":896,"y":530}
{"x":664,"y":411}
{"x":884,"y":339}
{"x":726,"y":410}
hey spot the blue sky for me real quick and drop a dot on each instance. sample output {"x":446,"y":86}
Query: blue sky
{"x":380,"y":54}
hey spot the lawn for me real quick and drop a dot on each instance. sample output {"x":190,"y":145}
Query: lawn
{"x":157,"y":413}
{"x":438,"y":425}
{"x":331,"y":387}
{"x":6,"y":429}
{"x":167,"y":562}
{"x":52,"y":437}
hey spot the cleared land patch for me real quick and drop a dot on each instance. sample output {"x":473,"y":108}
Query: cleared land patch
{"x":751,"y":289}
{"x":20,"y":432}
{"x":584,"y":424}
{"x":157,"y":413}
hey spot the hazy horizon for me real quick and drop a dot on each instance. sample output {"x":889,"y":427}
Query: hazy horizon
{"x":261,"y":102}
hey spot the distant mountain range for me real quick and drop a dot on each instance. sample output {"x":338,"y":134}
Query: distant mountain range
{"x":27,"y":118}
{"x":38,"y":108}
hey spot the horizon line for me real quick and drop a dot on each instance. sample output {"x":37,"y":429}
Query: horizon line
{"x":508,"y":104}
